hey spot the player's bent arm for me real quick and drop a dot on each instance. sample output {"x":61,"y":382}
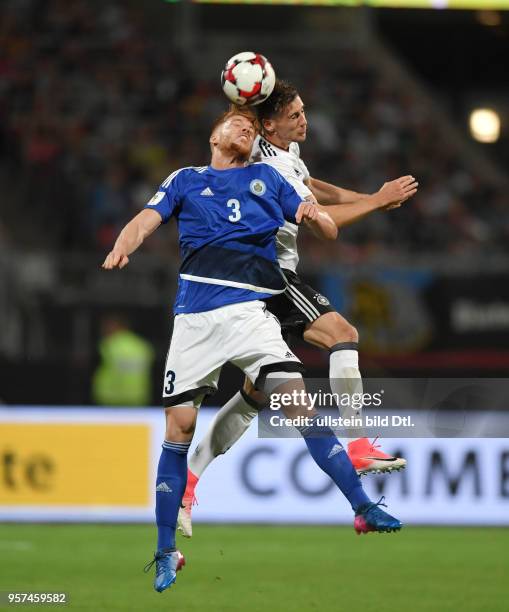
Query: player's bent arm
{"x":328,"y":194}
{"x":131,"y":237}
{"x":318,"y":221}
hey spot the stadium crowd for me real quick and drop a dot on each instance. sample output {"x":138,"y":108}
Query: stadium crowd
{"x":95,"y":113}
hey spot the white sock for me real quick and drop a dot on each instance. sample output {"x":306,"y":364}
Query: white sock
{"x":345,"y":377}
{"x":230,"y":423}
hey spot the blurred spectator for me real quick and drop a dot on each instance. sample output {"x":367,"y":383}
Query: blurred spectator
{"x":123,"y":377}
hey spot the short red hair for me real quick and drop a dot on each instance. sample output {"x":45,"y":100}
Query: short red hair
{"x":232,"y":112}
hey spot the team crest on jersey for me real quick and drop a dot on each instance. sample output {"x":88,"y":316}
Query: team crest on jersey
{"x":258,"y":187}
{"x":321,"y":299}
{"x":156,"y":198}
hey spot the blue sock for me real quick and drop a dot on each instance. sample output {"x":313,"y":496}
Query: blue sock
{"x":170,"y":487}
{"x":332,"y":458}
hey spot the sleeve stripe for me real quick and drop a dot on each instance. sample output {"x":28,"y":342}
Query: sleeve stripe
{"x":170,"y":178}
{"x":266,"y":149}
{"x":167,"y":182}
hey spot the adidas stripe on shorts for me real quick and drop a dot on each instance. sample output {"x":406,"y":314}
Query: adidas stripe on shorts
{"x":299,"y":305}
{"x":245,"y":334}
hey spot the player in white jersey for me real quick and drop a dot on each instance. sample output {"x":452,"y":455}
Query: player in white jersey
{"x":291,"y":166}
{"x":302,"y":309}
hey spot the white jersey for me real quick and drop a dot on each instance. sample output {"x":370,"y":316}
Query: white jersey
{"x":290,"y":165}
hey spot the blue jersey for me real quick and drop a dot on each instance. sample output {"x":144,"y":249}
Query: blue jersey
{"x":227,"y":223}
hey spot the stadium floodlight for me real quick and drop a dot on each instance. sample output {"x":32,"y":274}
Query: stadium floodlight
{"x":485,"y":125}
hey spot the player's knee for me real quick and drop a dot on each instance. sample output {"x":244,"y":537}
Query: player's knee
{"x":339,"y":329}
{"x":186,"y":428}
{"x":346,"y":332}
{"x":180,"y":424}
{"x":330,"y":329}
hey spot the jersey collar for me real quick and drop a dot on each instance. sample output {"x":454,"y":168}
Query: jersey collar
{"x":275,"y":145}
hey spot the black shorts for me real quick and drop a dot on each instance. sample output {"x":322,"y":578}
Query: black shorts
{"x":298,"y":305}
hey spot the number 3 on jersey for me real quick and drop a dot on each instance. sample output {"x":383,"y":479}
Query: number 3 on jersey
{"x":170,"y":382}
{"x":235,"y":206}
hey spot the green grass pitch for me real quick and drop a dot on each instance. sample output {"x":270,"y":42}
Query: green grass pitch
{"x":263,"y":569}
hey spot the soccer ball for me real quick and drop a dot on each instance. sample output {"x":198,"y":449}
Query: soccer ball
{"x":248,"y":78}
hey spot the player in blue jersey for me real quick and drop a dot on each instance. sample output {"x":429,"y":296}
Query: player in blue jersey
{"x":228,"y":214}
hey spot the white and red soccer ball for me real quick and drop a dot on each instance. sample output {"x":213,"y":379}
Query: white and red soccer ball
{"x":248,"y":78}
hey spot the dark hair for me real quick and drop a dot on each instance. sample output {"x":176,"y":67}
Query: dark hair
{"x":236,"y":110}
{"x":284,"y":93}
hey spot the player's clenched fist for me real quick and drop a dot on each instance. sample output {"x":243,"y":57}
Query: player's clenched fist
{"x":306,"y":212}
{"x":394,"y":193}
{"x":115,"y":259}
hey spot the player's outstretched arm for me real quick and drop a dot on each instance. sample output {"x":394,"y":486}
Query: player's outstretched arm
{"x":328,"y":194}
{"x":131,"y":237}
{"x":391,"y":195}
{"x":318,"y":221}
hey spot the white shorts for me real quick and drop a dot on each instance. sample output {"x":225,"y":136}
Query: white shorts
{"x":246,"y":334}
